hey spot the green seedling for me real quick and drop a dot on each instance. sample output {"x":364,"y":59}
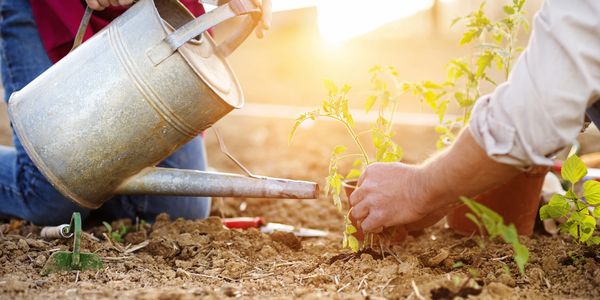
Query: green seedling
{"x":116,"y":235}
{"x":385,"y":95}
{"x":491,"y":223}
{"x":495,"y":44}
{"x":580,"y":211}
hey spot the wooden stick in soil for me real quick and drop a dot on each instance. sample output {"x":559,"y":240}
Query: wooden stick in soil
{"x":416,"y":290}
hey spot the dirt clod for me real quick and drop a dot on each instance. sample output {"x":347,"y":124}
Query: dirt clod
{"x":507,"y":280}
{"x":288,"y":239}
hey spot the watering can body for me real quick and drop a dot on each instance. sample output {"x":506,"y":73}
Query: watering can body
{"x":125,"y":100}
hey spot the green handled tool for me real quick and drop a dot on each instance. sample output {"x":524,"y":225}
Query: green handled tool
{"x":61,"y":261}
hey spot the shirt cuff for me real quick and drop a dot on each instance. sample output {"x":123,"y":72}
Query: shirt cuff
{"x":499,"y":139}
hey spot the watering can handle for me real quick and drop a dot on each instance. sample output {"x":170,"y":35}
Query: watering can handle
{"x":206,"y":21}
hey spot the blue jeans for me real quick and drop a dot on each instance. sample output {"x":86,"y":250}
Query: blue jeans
{"x":24,"y":191}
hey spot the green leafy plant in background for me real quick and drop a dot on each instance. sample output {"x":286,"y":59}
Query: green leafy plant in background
{"x":491,"y":223}
{"x":384,"y":97}
{"x":581,"y":212}
{"x":115,"y":235}
{"x":495,"y":46}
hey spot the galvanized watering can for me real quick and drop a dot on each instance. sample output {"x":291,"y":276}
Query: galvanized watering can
{"x":97,"y":122}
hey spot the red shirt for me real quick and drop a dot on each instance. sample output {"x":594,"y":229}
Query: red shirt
{"x":57,"y":22}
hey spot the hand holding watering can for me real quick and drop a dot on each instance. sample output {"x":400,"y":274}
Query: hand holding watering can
{"x":98,"y":121}
{"x":263,"y":25}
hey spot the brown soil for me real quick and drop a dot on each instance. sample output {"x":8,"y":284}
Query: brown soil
{"x":201,"y":259}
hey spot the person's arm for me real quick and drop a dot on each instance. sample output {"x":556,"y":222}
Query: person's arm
{"x":263,"y":25}
{"x":538,"y":111}
{"x":418,"y":196}
{"x":102,"y":4}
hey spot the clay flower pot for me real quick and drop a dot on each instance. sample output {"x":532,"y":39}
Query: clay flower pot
{"x":517,"y":201}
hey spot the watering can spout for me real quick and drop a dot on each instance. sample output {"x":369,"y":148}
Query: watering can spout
{"x":177,"y":182}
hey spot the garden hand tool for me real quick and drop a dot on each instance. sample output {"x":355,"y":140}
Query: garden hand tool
{"x":98,"y":122}
{"x":259,"y":223}
{"x":61,"y":261}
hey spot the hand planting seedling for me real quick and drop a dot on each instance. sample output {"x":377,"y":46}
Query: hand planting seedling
{"x":492,"y":224}
{"x":385,"y":93}
{"x":581,"y":212}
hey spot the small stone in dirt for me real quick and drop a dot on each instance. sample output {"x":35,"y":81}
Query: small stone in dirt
{"x":549,"y":263}
{"x":162,"y":218}
{"x":536,"y":275}
{"x":10,"y":246}
{"x":23,"y":245}
{"x":288,"y":239}
{"x":163,"y":248}
{"x":231,"y":292}
{"x":443,"y":293}
{"x":507,"y":280}
{"x":136,"y":237}
{"x":40,"y":283}
{"x":439,"y":258}
{"x":389,"y":270}
{"x":267,"y":252}
{"x":14,"y":285}
{"x":496,"y":290}
{"x":40,"y":260}
{"x":36,"y":243}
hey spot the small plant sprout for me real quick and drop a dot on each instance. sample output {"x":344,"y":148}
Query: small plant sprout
{"x":384,"y":96}
{"x":495,"y":44}
{"x":115,"y":235}
{"x":580,"y":211}
{"x":492,"y":224}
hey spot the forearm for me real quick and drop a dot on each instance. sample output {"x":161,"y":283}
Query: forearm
{"x":464,"y":169}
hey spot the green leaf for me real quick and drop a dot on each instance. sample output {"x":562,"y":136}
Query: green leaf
{"x":596,"y":213}
{"x":580,"y":225}
{"x":441,"y":129}
{"x":571,"y":195}
{"x":331,"y":87}
{"x":354,"y":173}
{"x":350,"y":229}
{"x":468,"y":36}
{"x":370,"y":102}
{"x":483,"y":62}
{"x":353,"y":243}
{"x":521,"y":257}
{"x":345,"y":89}
{"x":509,"y":233}
{"x":591,"y":192}
{"x":594,"y":240}
{"x":509,"y":10}
{"x":557,"y":207}
{"x":455,"y":21}
{"x":573,"y":169}
{"x":339,"y":149}
{"x":107,"y":226}
{"x":588,"y":225}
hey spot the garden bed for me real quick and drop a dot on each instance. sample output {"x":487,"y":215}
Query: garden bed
{"x":191,"y":259}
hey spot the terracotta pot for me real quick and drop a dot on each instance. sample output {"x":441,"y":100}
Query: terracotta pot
{"x":393,"y":237}
{"x":517,"y":201}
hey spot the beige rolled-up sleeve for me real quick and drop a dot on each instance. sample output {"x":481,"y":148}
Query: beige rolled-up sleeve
{"x":541,"y":108}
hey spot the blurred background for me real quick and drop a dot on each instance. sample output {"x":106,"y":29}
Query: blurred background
{"x":312,"y":40}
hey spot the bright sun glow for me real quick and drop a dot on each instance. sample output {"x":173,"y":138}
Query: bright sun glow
{"x":341,"y":20}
